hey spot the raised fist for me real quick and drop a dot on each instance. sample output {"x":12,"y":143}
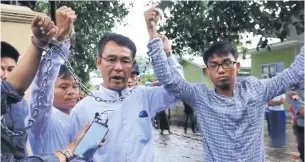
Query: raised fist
{"x":65,"y":18}
{"x":43,"y":29}
{"x":152,"y":17}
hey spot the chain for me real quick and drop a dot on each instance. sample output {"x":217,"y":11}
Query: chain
{"x":39,"y":98}
{"x":99,"y":99}
{"x":41,"y":93}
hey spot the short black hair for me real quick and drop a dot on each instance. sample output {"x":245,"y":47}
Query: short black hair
{"x":8,"y":50}
{"x":64,"y":72}
{"x":120,"y":40}
{"x":220,"y":48}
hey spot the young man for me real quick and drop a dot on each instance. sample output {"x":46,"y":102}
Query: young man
{"x":231,"y":115}
{"x":61,"y":94}
{"x":16,"y":114}
{"x":130,"y":136}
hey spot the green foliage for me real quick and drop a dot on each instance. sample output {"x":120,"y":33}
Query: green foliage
{"x":194,"y":25}
{"x":94,"y":19}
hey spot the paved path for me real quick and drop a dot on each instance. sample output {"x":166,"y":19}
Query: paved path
{"x":178,"y":147}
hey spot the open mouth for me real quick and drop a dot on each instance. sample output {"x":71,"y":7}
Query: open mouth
{"x":117,"y":78}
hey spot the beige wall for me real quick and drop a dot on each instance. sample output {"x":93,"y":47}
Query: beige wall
{"x":16,"y":27}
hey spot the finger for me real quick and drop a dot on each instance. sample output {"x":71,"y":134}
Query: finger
{"x":52,"y":30}
{"x":46,"y":22}
{"x":49,"y":26}
{"x":35,"y":20}
{"x":61,"y":8}
{"x":103,"y":141}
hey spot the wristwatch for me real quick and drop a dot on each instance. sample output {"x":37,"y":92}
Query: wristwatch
{"x":67,"y":154}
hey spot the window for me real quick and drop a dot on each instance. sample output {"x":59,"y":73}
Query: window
{"x":272,"y":68}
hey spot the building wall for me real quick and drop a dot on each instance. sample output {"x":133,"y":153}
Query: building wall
{"x":194,"y":74}
{"x":284,"y":55}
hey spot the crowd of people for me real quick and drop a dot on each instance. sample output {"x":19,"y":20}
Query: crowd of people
{"x":230,"y":117}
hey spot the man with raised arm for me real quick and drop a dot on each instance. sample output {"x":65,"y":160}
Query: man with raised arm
{"x":231,"y":116}
{"x":130,"y":136}
{"x":12,"y":91}
{"x":50,"y":131}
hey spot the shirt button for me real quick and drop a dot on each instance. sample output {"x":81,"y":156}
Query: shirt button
{"x":126,"y":140}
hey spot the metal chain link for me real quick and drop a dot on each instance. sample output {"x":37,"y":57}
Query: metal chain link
{"x":39,"y":98}
{"x":99,"y":99}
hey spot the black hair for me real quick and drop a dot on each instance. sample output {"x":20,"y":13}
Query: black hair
{"x":8,"y":50}
{"x":220,"y":48}
{"x":64,"y":72}
{"x":120,"y":40}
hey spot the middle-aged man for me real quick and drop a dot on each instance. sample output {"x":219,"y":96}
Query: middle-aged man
{"x":130,"y":136}
{"x":50,"y":131}
{"x":231,"y":116}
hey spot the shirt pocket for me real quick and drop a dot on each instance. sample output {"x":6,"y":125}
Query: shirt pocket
{"x":145,"y":130}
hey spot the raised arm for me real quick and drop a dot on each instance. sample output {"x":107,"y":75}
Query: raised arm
{"x":49,"y":68}
{"x":23,"y":75}
{"x":171,"y":81}
{"x":281,"y":82}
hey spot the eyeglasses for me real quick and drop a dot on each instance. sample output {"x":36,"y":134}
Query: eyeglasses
{"x":225,"y":65}
{"x":115,"y":60}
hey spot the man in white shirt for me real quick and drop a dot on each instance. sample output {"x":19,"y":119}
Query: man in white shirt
{"x":49,"y":133}
{"x":277,"y":121}
{"x":130,"y":136}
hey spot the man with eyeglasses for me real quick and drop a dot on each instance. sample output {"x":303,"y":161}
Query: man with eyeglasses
{"x":130,"y":136}
{"x":231,"y":116}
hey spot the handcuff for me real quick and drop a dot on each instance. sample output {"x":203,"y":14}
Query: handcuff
{"x":46,"y":46}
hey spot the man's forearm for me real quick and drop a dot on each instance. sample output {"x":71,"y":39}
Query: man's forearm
{"x":24,"y":73}
{"x":275,"y":103}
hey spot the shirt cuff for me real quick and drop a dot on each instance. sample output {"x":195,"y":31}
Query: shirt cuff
{"x":154,"y":45}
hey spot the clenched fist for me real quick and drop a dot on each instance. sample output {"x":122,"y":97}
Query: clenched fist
{"x":43,"y":29}
{"x":152,"y":17}
{"x":65,"y":18}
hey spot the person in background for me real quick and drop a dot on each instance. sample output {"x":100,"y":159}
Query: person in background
{"x":295,"y":99}
{"x":15,"y":115}
{"x":134,"y":75}
{"x":188,"y":114}
{"x":277,"y":121}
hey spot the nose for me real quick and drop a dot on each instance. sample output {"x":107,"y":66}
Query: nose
{"x":118,"y":66}
{"x":4,"y":74}
{"x":220,"y":70}
{"x":72,"y":91}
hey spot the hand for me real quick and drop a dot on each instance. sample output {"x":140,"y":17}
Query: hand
{"x":167,"y":45}
{"x":43,"y":29}
{"x":74,"y":144}
{"x":152,"y":17}
{"x":65,"y":18}
{"x":156,"y":83}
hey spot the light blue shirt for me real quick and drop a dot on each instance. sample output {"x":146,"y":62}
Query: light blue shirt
{"x":232,"y":128}
{"x":50,"y":132}
{"x":130,"y":137}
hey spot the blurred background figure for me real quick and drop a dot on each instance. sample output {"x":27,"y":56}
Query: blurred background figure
{"x":134,"y":75}
{"x":188,"y":114}
{"x":276,"y":120}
